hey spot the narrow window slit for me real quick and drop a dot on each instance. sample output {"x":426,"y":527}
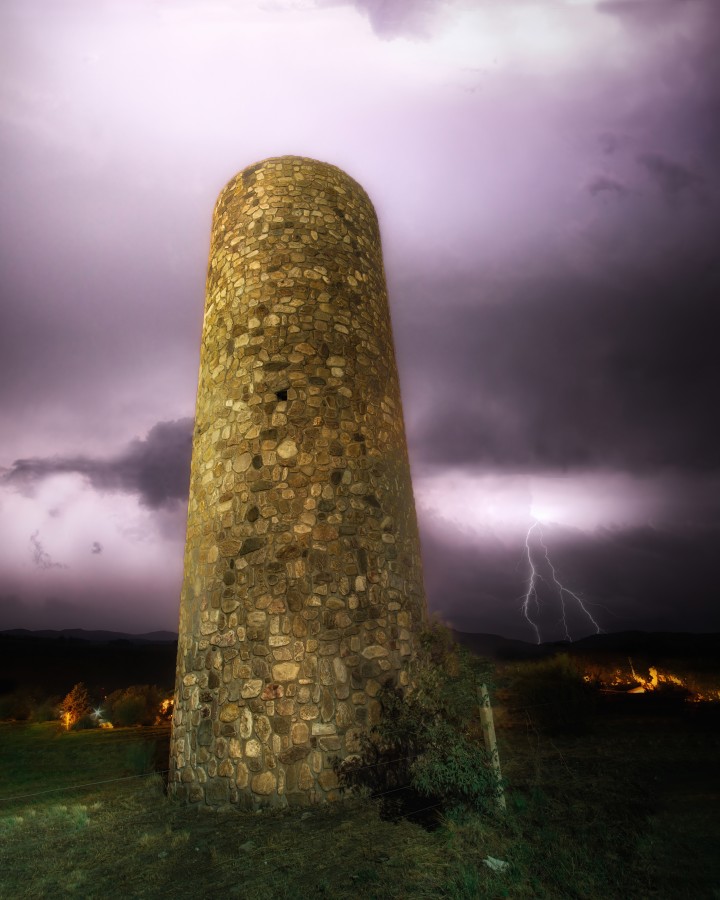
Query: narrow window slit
{"x":281,"y":395}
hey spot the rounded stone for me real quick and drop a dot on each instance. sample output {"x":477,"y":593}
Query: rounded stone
{"x":286,"y":671}
{"x":287,"y":449}
{"x":251,"y":688}
{"x":245,"y":725}
{"x":264,"y":783}
{"x":340,"y":670}
{"x":374,"y":651}
{"x":253,"y":748}
{"x":305,"y":778}
{"x":263,"y":728}
{"x":328,"y":779}
{"x":344,"y":715}
{"x":229,"y":712}
{"x":242,"y":462}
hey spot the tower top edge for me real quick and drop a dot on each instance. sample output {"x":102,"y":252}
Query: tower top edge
{"x":282,"y":164}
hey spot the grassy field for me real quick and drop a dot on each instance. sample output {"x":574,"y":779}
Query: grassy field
{"x":628,"y":810}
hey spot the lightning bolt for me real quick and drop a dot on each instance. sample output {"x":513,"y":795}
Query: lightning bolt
{"x":531,"y":594}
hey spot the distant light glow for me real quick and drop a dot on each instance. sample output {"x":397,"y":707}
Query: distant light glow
{"x":495,"y":37}
{"x":546,"y":512}
{"x":505,"y":503}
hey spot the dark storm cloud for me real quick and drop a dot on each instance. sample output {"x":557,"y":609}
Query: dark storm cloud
{"x":672,"y":178}
{"x":661,"y":576}
{"x":605,"y":184}
{"x":564,"y":372}
{"x":395,"y":18}
{"x":680,"y":95}
{"x":644,"y":11}
{"x":638,"y":578}
{"x":606,"y":363}
{"x":474,"y":584}
{"x":610,"y":143}
{"x":157,"y":468}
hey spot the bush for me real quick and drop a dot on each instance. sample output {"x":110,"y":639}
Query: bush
{"x":28,"y":705}
{"x":428,"y":744}
{"x":85,"y":722}
{"x":553,"y":694}
{"x":16,"y":706}
{"x":135,"y":705}
{"x":47,"y":710}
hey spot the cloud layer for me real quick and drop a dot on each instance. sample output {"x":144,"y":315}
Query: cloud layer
{"x":567,"y":372}
{"x":156,"y":469}
{"x":546,"y":177}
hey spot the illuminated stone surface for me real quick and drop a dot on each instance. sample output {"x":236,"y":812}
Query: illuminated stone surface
{"x":303,"y":585}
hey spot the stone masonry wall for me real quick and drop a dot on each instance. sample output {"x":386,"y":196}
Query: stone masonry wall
{"x":303,"y":586}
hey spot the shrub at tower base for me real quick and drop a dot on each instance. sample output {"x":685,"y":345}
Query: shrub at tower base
{"x":427,"y":752}
{"x":302,"y":593}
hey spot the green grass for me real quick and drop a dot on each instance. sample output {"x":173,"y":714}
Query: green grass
{"x":44,"y":756}
{"x":626,"y":811}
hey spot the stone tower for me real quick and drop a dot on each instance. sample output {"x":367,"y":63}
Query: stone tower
{"x":303,"y":586}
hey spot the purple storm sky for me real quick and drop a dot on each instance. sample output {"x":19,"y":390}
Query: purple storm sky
{"x":546,"y":179}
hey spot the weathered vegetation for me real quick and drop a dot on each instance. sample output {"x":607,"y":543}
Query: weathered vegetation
{"x":623,"y":808}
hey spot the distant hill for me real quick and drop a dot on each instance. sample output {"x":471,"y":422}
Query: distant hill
{"x":703,"y":650}
{"x":101,"y":637}
{"x":497,"y":647}
{"x":51,"y":662}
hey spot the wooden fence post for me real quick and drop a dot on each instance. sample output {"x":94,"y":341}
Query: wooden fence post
{"x":488,"y":727}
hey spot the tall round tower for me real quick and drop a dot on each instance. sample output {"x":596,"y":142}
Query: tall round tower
{"x":303,"y":585}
